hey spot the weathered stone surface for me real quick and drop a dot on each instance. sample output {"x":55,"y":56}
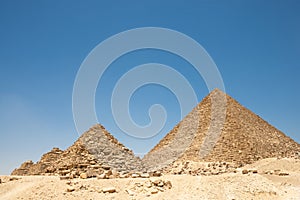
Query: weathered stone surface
{"x":109,"y":151}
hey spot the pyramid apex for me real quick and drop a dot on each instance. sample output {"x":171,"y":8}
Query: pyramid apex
{"x":217,"y":90}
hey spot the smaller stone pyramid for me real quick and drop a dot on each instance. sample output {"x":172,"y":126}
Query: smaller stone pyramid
{"x":95,"y":151}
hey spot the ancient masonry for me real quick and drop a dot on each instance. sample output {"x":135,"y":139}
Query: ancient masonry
{"x":96,"y":152}
{"x":244,"y":138}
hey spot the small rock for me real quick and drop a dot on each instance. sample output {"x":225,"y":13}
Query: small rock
{"x":245,"y":171}
{"x":130,"y":192}
{"x":106,"y":167}
{"x":270,"y":172}
{"x":145,"y":175}
{"x":96,"y":166}
{"x":135,"y":175}
{"x":156,"y":181}
{"x":277,"y":171}
{"x":64,"y":177}
{"x":83,"y":175}
{"x":124,"y":176}
{"x":64,"y":172}
{"x":148,"y":184}
{"x":84,"y":187}
{"x":283,"y":174}
{"x":156,"y":174}
{"x":13,"y":179}
{"x":92,"y":162}
{"x":70,"y":189}
{"x":154,"y":191}
{"x":160,"y":184}
{"x":101,"y":176}
{"x":109,"y":190}
{"x":168,"y":184}
{"x":83,"y":165}
{"x":68,"y":182}
{"x":115,"y":173}
{"x":108,"y":173}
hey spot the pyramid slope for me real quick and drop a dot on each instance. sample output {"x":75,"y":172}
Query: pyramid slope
{"x":108,"y":150}
{"x":244,"y":137}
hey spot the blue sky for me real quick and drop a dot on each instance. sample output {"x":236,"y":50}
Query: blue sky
{"x":255,"y":44}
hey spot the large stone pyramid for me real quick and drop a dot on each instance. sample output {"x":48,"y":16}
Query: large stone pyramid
{"x":95,"y":151}
{"x":229,"y":133}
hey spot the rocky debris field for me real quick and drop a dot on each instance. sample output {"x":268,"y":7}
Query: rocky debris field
{"x":249,"y":182}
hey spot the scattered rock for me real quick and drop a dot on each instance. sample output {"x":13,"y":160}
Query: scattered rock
{"x":115,"y":173}
{"x":154,"y":191}
{"x":108,"y":173}
{"x":68,"y":182}
{"x":13,"y":178}
{"x":168,"y":184}
{"x":64,"y":177}
{"x":70,"y":189}
{"x":109,"y":190}
{"x":123,"y":175}
{"x":102,"y":176}
{"x":283,"y":174}
{"x":83,"y":176}
{"x":106,"y":167}
{"x":160,"y":189}
{"x":245,"y":171}
{"x":277,"y":171}
{"x":148,"y":184}
{"x":93,"y":162}
{"x":135,"y":175}
{"x":130,"y":192}
{"x":145,"y":175}
{"x":156,"y":174}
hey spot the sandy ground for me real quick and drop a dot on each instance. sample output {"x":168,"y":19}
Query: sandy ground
{"x":225,"y":186}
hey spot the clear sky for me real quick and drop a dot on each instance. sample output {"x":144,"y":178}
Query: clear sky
{"x":255,"y":44}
